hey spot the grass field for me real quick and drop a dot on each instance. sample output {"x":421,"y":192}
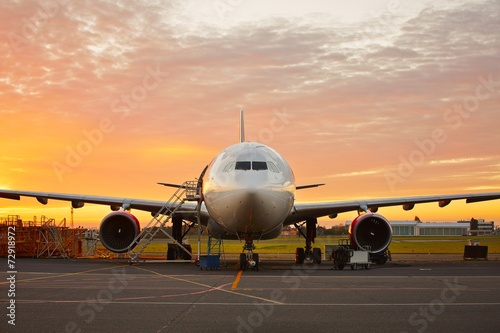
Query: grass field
{"x":399,"y":245}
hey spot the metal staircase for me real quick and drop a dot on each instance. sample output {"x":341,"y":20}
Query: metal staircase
{"x":188,"y":191}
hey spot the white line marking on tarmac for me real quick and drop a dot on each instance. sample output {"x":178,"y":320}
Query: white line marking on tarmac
{"x":253,"y":303}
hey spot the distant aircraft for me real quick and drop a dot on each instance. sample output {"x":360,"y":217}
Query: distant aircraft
{"x":248,"y":193}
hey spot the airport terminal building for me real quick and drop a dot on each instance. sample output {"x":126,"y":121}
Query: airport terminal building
{"x":418,"y":228}
{"x":415,"y":228}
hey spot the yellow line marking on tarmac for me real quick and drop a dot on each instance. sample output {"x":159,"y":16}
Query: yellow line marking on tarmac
{"x":52,"y":276}
{"x":237,"y":280}
{"x":209,"y":286}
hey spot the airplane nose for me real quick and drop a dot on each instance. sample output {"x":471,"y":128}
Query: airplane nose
{"x":252,"y":208}
{"x":247,"y":201}
{"x":252,"y":180}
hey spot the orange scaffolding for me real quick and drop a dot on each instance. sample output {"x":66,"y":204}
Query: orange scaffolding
{"x":40,"y":239}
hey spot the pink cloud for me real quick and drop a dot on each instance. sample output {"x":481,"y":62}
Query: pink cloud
{"x":361,"y":94}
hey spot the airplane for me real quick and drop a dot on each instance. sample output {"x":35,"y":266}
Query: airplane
{"x":248,"y":193}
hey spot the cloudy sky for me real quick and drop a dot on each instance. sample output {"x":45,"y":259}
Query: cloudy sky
{"x":374,"y":98}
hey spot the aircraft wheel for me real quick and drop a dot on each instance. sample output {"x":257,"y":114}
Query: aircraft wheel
{"x":317,"y":255}
{"x":187,"y":256}
{"x":300,"y":255}
{"x":171,"y":252}
{"x":381,"y":261}
{"x":256,"y":259}
{"x":243,"y":261}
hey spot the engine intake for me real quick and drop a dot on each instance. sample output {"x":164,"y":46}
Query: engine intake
{"x":118,"y":230}
{"x":370,"y":232}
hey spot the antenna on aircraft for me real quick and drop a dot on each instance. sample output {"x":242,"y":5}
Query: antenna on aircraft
{"x":242,"y":126}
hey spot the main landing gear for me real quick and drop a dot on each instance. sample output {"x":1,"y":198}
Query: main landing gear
{"x":248,"y":259}
{"x":175,"y":251}
{"x":308,"y":252}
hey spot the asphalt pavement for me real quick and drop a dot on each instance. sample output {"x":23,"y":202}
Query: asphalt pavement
{"x":96,"y":295}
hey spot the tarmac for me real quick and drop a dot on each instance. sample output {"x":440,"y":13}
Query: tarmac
{"x":101,"y":295}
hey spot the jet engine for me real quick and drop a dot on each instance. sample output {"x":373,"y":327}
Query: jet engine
{"x":118,"y":230}
{"x":370,"y":232}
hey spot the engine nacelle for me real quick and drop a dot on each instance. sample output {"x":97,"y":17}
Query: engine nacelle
{"x":370,"y":232}
{"x":273,"y":233}
{"x":118,"y":230}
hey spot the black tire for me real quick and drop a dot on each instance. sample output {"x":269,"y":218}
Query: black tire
{"x":256,"y":259}
{"x":300,"y":255}
{"x":341,"y":257}
{"x":317,"y":255}
{"x":171,"y":252}
{"x":243,"y":261}
{"x":381,"y":261}
{"x":187,"y":256}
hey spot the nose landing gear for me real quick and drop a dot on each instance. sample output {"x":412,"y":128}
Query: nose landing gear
{"x":248,"y":259}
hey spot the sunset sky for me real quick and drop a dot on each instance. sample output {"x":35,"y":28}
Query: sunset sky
{"x":373,"y":98}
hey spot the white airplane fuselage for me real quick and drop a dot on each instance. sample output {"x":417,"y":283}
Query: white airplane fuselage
{"x":249,"y":189}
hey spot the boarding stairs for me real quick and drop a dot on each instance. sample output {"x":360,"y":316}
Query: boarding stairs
{"x":188,"y":191}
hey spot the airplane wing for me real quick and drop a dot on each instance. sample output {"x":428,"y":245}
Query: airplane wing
{"x":301,"y":187}
{"x":302,"y":211}
{"x":78,"y":201}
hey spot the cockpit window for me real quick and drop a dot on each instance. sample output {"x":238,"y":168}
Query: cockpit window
{"x":229,"y":167}
{"x":243,"y":165}
{"x":259,"y":166}
{"x":247,"y":165}
{"x":272,"y":167}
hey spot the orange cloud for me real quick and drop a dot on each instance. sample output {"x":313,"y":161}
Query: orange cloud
{"x":360,"y":91}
